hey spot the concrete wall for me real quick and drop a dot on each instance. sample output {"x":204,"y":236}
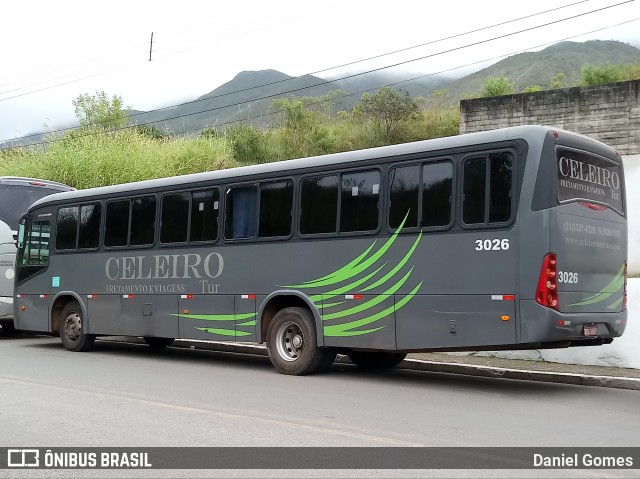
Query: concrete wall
{"x":609,"y":113}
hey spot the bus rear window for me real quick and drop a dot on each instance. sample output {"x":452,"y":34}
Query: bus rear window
{"x":587,"y":177}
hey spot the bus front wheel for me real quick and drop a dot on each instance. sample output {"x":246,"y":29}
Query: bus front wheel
{"x":292,"y":343}
{"x":373,"y":360}
{"x":72,"y":329}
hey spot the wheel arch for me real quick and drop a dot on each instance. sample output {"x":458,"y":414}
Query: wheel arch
{"x":281,"y":299}
{"x":60,"y":300}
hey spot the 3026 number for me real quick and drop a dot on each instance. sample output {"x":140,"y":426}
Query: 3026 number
{"x":567,"y":277}
{"x":492,"y":245}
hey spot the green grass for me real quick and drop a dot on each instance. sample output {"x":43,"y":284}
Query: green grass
{"x":98,"y":159}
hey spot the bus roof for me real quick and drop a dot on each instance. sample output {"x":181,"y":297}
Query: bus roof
{"x":492,"y":136}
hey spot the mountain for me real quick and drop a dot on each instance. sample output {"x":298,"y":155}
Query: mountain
{"x":537,"y":68}
{"x":247,"y":97}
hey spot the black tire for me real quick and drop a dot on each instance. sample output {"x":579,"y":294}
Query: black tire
{"x":158,"y":343}
{"x":7,"y":326}
{"x":373,"y":360}
{"x":292,"y":343}
{"x":72,"y":329}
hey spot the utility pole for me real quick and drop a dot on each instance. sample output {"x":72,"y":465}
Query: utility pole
{"x":151,"y":46}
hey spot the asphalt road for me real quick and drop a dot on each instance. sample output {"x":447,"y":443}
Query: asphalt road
{"x":124,"y":394}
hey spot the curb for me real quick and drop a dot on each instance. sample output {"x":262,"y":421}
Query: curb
{"x":431,"y":366}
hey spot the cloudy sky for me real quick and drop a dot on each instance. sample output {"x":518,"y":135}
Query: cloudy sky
{"x":54,"y":51}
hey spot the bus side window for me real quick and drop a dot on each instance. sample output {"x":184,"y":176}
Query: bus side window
{"x":437,"y":191}
{"x":67,"y":228}
{"x":474,"y":185}
{"x":143,"y":221}
{"x":117,"y":223}
{"x":318,"y":205}
{"x":359,"y":203}
{"x":276,"y":205}
{"x":500,"y":190}
{"x":204,"y":215}
{"x":487,"y":189}
{"x":241,"y":212}
{"x":175,"y":218}
{"x":404,"y":196}
{"x":90,"y":216}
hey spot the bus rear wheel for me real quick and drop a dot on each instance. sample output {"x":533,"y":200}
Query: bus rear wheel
{"x":292,"y":343}
{"x":72,"y":329}
{"x":7,"y":326}
{"x":158,"y":343}
{"x":373,"y":360}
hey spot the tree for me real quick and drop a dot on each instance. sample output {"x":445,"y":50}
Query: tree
{"x":595,"y":75}
{"x":497,"y":86}
{"x":558,"y":81}
{"x":249,"y":144}
{"x":100,"y":111}
{"x":302,"y":131}
{"x":152,"y":132}
{"x":387,"y":109}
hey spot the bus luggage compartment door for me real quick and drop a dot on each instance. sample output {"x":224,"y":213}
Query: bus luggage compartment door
{"x":149,"y":315}
{"x":456,"y":321}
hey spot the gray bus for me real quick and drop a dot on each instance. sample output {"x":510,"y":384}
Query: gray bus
{"x":16,"y":195}
{"x":507,"y":239}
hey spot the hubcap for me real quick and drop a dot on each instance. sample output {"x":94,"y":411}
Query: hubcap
{"x":72,"y":326}
{"x":289,"y":341}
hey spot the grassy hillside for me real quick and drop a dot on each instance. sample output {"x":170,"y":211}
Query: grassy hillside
{"x":537,"y":68}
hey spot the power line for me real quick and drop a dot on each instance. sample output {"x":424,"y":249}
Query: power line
{"x":407,"y":80}
{"x":311,"y":73}
{"x":331,"y":81}
{"x":75,"y":80}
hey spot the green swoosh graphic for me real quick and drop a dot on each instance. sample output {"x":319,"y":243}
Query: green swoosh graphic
{"x":348,"y":272}
{"x":609,"y":290}
{"x":345,"y":288}
{"x":345,"y":328}
{"x":248,"y":323}
{"x":330,"y":305}
{"x":397,"y":268}
{"x":312,"y":283}
{"x":368,"y":304}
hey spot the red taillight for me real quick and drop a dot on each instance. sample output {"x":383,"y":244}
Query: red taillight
{"x":547,"y":293}
{"x":624,"y":292}
{"x":591,"y":206}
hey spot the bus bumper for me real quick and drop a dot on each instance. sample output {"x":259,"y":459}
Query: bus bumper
{"x":540,"y":325}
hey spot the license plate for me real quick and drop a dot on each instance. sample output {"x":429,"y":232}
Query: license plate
{"x":590,"y":330}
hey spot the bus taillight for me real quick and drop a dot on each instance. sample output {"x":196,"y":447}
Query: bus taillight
{"x":547,"y":293}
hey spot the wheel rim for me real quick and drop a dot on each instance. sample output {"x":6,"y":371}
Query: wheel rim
{"x":72,"y":326}
{"x":290,"y":341}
